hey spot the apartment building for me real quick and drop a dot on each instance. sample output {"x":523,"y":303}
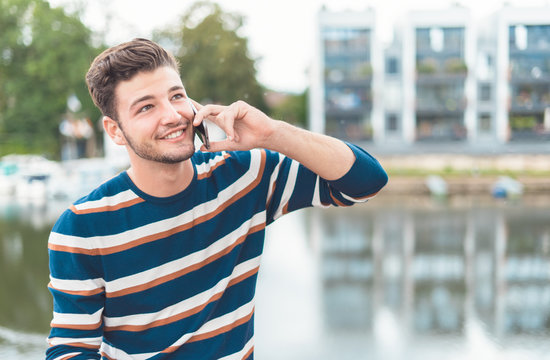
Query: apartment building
{"x":445,"y":78}
{"x":347,"y":76}
{"x":523,"y":74}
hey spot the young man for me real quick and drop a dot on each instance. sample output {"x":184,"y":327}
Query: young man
{"x":161,"y":261}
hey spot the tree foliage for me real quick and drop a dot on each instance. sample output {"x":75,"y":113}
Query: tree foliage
{"x":214,"y":60}
{"x":293,"y":109}
{"x":44,"y":55}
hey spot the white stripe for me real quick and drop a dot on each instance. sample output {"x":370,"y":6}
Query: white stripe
{"x":101,"y":242}
{"x":357,"y":200}
{"x":118,"y":354}
{"x":108,"y":200}
{"x":77,"y":319}
{"x":186,"y":261}
{"x":96,"y":341}
{"x":219,"y":322}
{"x":227,"y":319}
{"x":187,"y":304}
{"x":239,"y":355}
{"x":235,"y":356}
{"x":316,"y":201}
{"x":289,"y":188}
{"x":206,"y":167}
{"x":64,"y":356}
{"x":77,"y":285}
{"x":274,"y":176}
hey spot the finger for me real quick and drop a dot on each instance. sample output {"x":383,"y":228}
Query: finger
{"x":226,"y":120}
{"x":222,"y":145}
{"x":207,"y":111}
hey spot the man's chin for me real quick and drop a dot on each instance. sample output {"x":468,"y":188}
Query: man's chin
{"x":177,"y":157}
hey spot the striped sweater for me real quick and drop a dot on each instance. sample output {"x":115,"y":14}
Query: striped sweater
{"x":139,"y":277}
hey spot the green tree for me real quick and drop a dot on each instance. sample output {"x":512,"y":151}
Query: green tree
{"x":293,"y":109}
{"x":214,"y":60}
{"x":44,"y":55}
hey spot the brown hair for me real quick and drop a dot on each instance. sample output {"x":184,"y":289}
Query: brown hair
{"x":120,"y":63}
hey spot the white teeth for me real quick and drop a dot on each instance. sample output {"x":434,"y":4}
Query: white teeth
{"x":174,"y":135}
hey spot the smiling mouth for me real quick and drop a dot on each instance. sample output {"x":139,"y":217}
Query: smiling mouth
{"x":173,"y":135}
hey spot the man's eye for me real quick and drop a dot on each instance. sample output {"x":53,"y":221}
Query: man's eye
{"x":177,"y":97}
{"x":145,"y":108}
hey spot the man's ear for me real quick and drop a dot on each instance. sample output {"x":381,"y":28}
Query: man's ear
{"x":112,"y":128}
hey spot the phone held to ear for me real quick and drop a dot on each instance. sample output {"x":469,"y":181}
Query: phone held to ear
{"x":201,"y":130}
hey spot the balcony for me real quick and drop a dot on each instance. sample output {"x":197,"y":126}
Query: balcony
{"x":530,"y":102}
{"x":445,"y":68}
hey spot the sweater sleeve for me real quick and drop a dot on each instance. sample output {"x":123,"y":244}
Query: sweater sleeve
{"x":77,"y":288}
{"x":293,"y":186}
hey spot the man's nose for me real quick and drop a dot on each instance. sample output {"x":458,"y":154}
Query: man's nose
{"x":171,"y":114}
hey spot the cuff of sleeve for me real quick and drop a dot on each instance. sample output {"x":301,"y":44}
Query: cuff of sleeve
{"x":366,"y":176}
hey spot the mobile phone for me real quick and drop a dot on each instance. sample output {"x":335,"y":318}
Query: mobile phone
{"x":201,"y":130}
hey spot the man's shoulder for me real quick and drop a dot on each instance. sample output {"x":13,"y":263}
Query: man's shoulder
{"x":111,"y":194}
{"x":109,"y":188}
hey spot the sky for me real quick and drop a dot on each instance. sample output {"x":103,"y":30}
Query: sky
{"x":280,"y":33}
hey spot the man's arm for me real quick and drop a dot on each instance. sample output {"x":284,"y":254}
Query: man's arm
{"x":247,"y":128}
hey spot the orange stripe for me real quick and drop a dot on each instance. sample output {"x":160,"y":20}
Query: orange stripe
{"x":248,"y":353}
{"x":285,"y":209}
{"x":70,"y":356}
{"x":83,"y":345}
{"x":223,"y":329}
{"x":107,"y":356}
{"x":77,"y":327}
{"x":184,"y":271}
{"x":78,"y":292}
{"x":207,"y":174}
{"x":338,"y":202}
{"x":108,"y":207}
{"x":154,"y":237}
{"x":183,"y":315}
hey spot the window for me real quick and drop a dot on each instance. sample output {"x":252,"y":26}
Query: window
{"x":392,"y":65}
{"x":484,"y":124}
{"x":485,"y":92}
{"x":392,"y":123}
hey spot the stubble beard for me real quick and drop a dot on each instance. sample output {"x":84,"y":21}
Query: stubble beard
{"x":147,"y":152}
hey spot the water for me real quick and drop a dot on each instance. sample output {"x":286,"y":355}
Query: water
{"x":397,"y":278}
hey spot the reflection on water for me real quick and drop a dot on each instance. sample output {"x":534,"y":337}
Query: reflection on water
{"x":421,"y":279}
{"x":394,"y":279}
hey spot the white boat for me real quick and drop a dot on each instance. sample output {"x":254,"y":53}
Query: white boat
{"x":437,"y":185}
{"x":506,"y":187}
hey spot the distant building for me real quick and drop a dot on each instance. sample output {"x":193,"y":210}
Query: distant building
{"x":445,"y":78}
{"x":523,"y":74}
{"x":342,"y":94}
{"x":438,"y":50}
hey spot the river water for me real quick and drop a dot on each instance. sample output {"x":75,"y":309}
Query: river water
{"x":396,"y":278}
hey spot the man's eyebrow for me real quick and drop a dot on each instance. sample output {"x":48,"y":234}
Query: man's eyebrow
{"x":175,"y":88}
{"x":149,"y":97}
{"x":143,"y":98}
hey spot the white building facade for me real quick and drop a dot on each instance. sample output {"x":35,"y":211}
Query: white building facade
{"x":445,"y":78}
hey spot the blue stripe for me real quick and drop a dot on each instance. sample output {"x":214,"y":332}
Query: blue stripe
{"x":160,"y":337}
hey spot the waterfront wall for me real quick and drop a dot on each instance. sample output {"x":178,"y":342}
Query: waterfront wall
{"x":466,"y":174}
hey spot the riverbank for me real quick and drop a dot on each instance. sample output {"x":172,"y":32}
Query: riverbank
{"x":466,"y":174}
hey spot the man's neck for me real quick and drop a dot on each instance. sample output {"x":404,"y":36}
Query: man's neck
{"x":162,"y":180}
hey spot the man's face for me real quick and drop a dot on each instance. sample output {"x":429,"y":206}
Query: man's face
{"x":155,"y":117}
